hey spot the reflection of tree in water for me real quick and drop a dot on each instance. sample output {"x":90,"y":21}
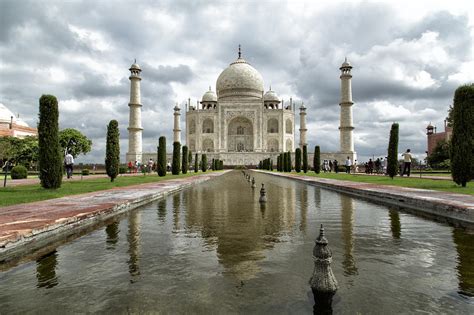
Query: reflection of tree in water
{"x":395,"y":225}
{"x":317,"y":198}
{"x":229,"y":218}
{"x":46,"y":270}
{"x":162,"y":210}
{"x":112,"y":231}
{"x":464,"y":241}
{"x":176,"y":208}
{"x":303,"y":196}
{"x":133,"y":238}
{"x":347,"y":222}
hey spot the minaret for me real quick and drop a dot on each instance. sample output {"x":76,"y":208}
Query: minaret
{"x":346,"y":127}
{"x":135,"y":119}
{"x":303,"y":126}
{"x":176,"y":129}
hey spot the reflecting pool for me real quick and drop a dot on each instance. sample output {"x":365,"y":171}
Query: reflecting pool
{"x":214,"y":249}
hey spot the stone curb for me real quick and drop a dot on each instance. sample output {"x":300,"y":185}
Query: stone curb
{"x":87,"y":210}
{"x":457,"y":209}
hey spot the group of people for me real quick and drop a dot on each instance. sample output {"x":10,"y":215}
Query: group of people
{"x":328,"y":166}
{"x":150,"y":166}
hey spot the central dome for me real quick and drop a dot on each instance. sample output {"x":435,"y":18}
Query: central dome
{"x":239,"y":79}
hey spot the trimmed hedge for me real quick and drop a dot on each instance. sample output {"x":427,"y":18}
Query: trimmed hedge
{"x":392,"y":154}
{"x":204,"y":162}
{"x":85,"y":172}
{"x":112,"y":150}
{"x":196,"y":164}
{"x":161,"y":165}
{"x":298,"y":160}
{"x":19,"y":172}
{"x":185,"y":163}
{"x":176,"y":165}
{"x":317,"y":160}
{"x":305,"y":159}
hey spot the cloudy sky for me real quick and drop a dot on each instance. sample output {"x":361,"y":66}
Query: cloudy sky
{"x":408,"y":58}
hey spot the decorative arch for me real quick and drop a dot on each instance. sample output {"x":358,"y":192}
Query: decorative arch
{"x":272,"y":145}
{"x":192,"y":127}
{"x":289,"y":126}
{"x":289,"y":145}
{"x":272,"y":125}
{"x":208,"y":126}
{"x":208,"y":145}
{"x":240,"y":135}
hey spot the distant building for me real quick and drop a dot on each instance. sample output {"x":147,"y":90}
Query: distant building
{"x":435,"y":137}
{"x":13,"y":126}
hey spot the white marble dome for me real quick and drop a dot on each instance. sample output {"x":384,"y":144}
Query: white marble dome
{"x":240,"y":79}
{"x":271,"y":96}
{"x":209,"y":96}
{"x":6,"y":117}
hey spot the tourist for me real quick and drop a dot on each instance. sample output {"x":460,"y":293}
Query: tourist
{"x":130,"y":167}
{"x":69,"y":162}
{"x":370,"y":166}
{"x":330,"y":166}
{"x":168,"y":166}
{"x":385,"y":164}
{"x":377,"y":165}
{"x":348,"y":165}
{"x":407,"y":163}
{"x":355,"y":167}
{"x":150,"y":165}
{"x":335,"y":166}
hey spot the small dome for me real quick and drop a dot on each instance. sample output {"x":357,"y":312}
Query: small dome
{"x":135,"y":66}
{"x":430,"y":126}
{"x":346,"y":64}
{"x":240,"y":79}
{"x":271,"y":96}
{"x":209,"y":96}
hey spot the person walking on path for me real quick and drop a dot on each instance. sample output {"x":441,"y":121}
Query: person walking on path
{"x":407,"y":163}
{"x":69,"y":162}
{"x":335,"y":166}
{"x":348,"y":165}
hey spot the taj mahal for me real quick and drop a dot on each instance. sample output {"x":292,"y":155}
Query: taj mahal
{"x":240,"y":123}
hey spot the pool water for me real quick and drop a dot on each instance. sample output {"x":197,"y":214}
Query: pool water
{"x":213,"y":249}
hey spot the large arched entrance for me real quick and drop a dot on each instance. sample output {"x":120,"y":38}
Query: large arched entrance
{"x":240,"y":135}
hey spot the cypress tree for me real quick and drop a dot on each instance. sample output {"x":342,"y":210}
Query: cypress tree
{"x":204,"y":162}
{"x":317,"y":160}
{"x":271,"y":165}
{"x":190,"y":158}
{"x":285,"y":162}
{"x":162,"y":156}
{"x":298,"y":160}
{"x":462,"y":141}
{"x":392,"y":155}
{"x":49,"y":153}
{"x":221,"y":164}
{"x":112,"y":150}
{"x":213,"y":164}
{"x":176,"y":165}
{"x":185,"y":163}
{"x":290,"y":166}
{"x":305,"y":159}
{"x":278,"y":163}
{"x":260,"y":165}
{"x":196,"y":163}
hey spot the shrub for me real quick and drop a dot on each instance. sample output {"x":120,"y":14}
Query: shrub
{"x":19,"y":172}
{"x":185,"y":163}
{"x":462,"y":141}
{"x":317,"y":160}
{"x":392,"y":161}
{"x":204,"y":162}
{"x":123,"y":169}
{"x":161,"y":156}
{"x":305,"y":159}
{"x":85,"y":172}
{"x":112,"y":150}
{"x":298,"y":160}
{"x":176,"y":165}
{"x":50,"y":160}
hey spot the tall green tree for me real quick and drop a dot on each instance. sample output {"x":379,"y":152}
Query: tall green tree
{"x":176,"y":165}
{"x":317,"y":160}
{"x":196,"y":163}
{"x":290,"y":163}
{"x":50,"y":159}
{"x":112,"y":150}
{"x":190,"y":159}
{"x":440,"y":154}
{"x":462,"y":141}
{"x":185,"y":163}
{"x":161,"y":165}
{"x":298,"y":160}
{"x":305,"y":159}
{"x":74,"y":141}
{"x":392,"y":154}
{"x":204,"y":162}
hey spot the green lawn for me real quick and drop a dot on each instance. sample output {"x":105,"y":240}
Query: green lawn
{"x":30,"y":193}
{"x":413,"y":182}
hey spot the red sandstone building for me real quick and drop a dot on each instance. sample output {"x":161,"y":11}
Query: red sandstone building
{"x":13,"y":126}
{"x":435,"y":137}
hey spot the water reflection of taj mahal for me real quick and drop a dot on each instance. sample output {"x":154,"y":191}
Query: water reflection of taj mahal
{"x":240,"y":123}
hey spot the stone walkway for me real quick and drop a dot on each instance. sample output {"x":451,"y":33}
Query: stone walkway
{"x":25,"y":227}
{"x":455,"y":208}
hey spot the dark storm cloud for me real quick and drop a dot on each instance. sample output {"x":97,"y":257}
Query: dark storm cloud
{"x":81,"y":52}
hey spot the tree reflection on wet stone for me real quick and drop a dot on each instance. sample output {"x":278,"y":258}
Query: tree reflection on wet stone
{"x":162,"y":210}
{"x":465,"y":247}
{"x":395,"y":225}
{"x":347,"y":222}
{"x":112,"y":231}
{"x":46,"y":270}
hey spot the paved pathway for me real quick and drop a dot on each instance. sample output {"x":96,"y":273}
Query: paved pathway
{"x":26,"y":224}
{"x":456,"y":208}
